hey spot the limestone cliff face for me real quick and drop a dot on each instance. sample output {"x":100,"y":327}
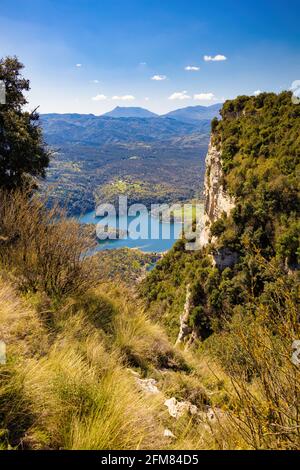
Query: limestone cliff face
{"x":185,"y":328}
{"x":217,"y":200}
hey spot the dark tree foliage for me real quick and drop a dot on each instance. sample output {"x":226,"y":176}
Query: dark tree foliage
{"x":260,"y":142}
{"x":22,"y":150}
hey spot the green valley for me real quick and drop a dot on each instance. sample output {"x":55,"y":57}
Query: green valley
{"x":91,"y":153}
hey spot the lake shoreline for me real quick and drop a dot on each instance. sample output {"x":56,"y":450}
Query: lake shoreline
{"x":165,"y":234}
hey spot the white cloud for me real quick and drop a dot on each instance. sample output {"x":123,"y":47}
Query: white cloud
{"x":78,"y":65}
{"x":99,"y":98}
{"x":95,"y":81}
{"x":143,"y":63}
{"x":205,"y":97}
{"x":216,"y":58}
{"x":158,"y":78}
{"x":257,"y":92}
{"x":179,"y":95}
{"x":295,"y":88}
{"x":147,"y":98}
{"x":295,"y":85}
{"x":192,"y":68}
{"x":123,"y":98}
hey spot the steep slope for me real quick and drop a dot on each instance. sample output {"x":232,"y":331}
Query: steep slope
{"x":251,"y":217}
{"x":237,"y":298}
{"x":88,"y":368}
{"x":217,"y":201}
{"x":83,"y":366}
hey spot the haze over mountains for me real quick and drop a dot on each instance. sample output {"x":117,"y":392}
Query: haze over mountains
{"x":99,"y":130}
{"x":127,"y":124}
{"x":130,"y":111}
{"x":194,"y":114}
{"x":189,"y":114}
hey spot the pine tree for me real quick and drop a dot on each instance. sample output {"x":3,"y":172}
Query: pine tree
{"x":23,"y":153}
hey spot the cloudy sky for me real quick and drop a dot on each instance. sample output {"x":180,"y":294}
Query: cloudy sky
{"x":88,"y":56}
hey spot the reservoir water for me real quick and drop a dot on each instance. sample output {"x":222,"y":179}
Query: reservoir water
{"x":167,"y":235}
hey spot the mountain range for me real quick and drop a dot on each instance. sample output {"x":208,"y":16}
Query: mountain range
{"x":190,"y":114}
{"x":127,"y":124}
{"x":132,"y":145}
{"x":194,"y":114}
{"x":100,"y":130}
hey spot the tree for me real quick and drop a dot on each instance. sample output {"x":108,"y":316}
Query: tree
{"x":23,"y":153}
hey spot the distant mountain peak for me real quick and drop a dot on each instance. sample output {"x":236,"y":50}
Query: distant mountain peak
{"x":129,"y":112}
{"x":193,"y":114}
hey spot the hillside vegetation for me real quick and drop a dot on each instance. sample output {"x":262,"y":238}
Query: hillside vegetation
{"x":260,"y":142}
{"x":80,"y":352}
{"x":261,"y":172}
{"x":247,"y":315}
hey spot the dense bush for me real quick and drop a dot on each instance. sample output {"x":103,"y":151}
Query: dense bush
{"x":23,"y":153}
{"x":43,"y":249}
{"x":259,"y":138}
{"x":255,"y":348}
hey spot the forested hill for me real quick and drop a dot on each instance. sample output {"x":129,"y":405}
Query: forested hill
{"x":258,"y":139}
{"x":237,"y":299}
{"x":195,"y":114}
{"x":129,"y":111}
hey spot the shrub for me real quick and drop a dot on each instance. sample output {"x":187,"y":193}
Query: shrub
{"x":218,"y":227}
{"x":255,"y":348}
{"x":43,"y":249}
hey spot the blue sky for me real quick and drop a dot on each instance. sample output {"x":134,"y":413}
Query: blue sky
{"x":88,"y":56}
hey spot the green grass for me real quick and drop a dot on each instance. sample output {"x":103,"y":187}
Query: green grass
{"x":68,"y":385}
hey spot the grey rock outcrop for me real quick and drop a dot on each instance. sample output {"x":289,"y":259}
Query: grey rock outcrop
{"x":217,"y":200}
{"x":148,"y":385}
{"x":185,"y":329}
{"x":178,"y":408}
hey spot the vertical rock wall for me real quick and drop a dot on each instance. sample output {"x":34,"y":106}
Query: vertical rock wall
{"x":217,"y":200}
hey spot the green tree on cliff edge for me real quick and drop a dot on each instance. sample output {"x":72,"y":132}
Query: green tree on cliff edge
{"x":22,"y":150}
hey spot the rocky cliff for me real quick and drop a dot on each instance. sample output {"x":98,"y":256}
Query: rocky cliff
{"x":217,"y":200}
{"x":252,"y":238}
